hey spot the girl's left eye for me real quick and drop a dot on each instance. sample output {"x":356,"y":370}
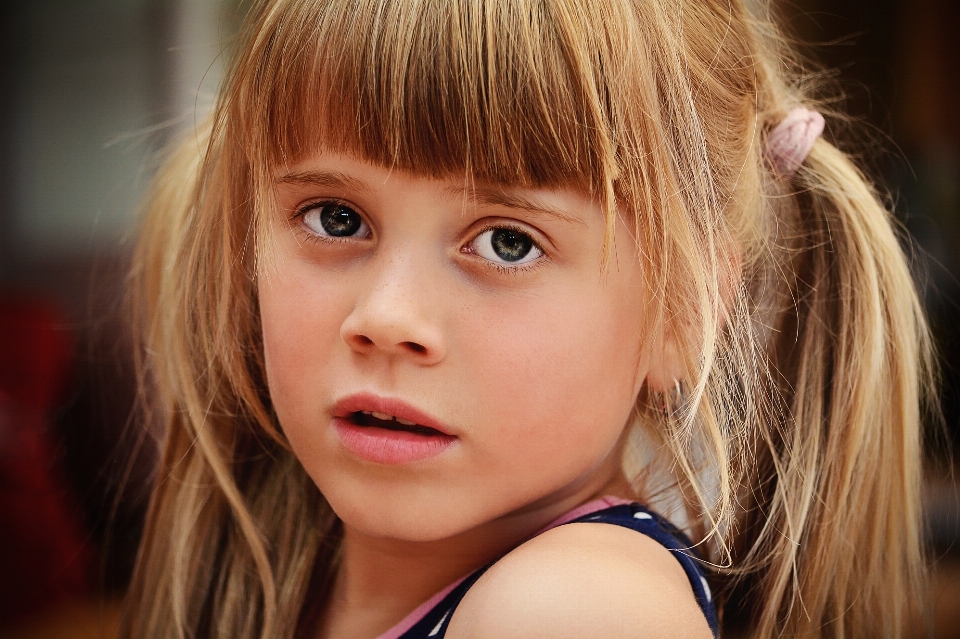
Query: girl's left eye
{"x":334,"y":219}
{"x":506,"y":246}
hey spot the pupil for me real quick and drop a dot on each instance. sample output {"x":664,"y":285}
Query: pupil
{"x":339,"y":220}
{"x":509,"y":245}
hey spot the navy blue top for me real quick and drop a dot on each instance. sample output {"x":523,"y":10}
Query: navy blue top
{"x":634,"y":516}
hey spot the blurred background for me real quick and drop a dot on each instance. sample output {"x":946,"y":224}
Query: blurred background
{"x":90,"y":91}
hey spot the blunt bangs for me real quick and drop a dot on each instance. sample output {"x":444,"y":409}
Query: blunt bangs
{"x":496,"y":91}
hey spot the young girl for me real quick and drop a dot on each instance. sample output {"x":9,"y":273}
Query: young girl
{"x":449,"y":288}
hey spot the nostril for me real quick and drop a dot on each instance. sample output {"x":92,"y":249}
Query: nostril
{"x":413,"y":346}
{"x":364,"y":340}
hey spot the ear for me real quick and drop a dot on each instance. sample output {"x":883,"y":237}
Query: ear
{"x":665,"y":364}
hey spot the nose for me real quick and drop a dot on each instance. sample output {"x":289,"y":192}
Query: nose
{"x":392,"y":315}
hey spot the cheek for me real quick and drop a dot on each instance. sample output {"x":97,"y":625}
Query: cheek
{"x":300,"y":325}
{"x":560,"y":377}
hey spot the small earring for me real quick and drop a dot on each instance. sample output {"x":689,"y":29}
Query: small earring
{"x":672,"y":400}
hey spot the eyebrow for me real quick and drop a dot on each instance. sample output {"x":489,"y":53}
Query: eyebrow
{"x":483,"y":195}
{"x":333,"y":179}
{"x":498,"y":196}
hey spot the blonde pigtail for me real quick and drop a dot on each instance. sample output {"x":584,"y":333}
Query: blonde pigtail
{"x":838,"y":500}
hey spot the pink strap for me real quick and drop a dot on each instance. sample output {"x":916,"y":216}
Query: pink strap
{"x":789,"y":143}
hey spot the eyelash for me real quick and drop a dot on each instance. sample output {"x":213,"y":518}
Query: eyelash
{"x":500,"y":268}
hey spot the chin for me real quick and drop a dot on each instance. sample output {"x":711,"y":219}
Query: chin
{"x":398,"y":514}
{"x":404,"y":526}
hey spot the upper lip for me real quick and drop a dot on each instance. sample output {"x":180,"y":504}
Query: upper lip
{"x":388,"y":405}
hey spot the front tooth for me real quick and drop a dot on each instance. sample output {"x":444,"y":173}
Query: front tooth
{"x":382,"y":416}
{"x":405,"y":422}
{"x":365,"y":412}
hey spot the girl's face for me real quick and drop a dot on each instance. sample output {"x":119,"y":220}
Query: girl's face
{"x":477,"y":315}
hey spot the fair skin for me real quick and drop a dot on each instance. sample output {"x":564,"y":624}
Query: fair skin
{"x":484,"y":309}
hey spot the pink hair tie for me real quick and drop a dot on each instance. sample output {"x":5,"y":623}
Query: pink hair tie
{"x":789,"y":143}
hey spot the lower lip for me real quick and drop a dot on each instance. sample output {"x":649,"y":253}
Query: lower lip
{"x":384,"y":446}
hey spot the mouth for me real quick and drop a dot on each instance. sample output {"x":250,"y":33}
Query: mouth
{"x":374,"y":419}
{"x":388,"y":431}
{"x":373,"y":411}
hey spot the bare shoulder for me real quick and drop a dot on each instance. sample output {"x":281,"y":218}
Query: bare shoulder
{"x":578,"y":581}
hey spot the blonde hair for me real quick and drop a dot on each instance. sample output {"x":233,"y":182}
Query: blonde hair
{"x":795,"y":443}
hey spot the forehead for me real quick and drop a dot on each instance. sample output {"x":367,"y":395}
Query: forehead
{"x":435,"y":88}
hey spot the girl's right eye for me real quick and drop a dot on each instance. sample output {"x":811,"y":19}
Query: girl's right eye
{"x":334,"y":219}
